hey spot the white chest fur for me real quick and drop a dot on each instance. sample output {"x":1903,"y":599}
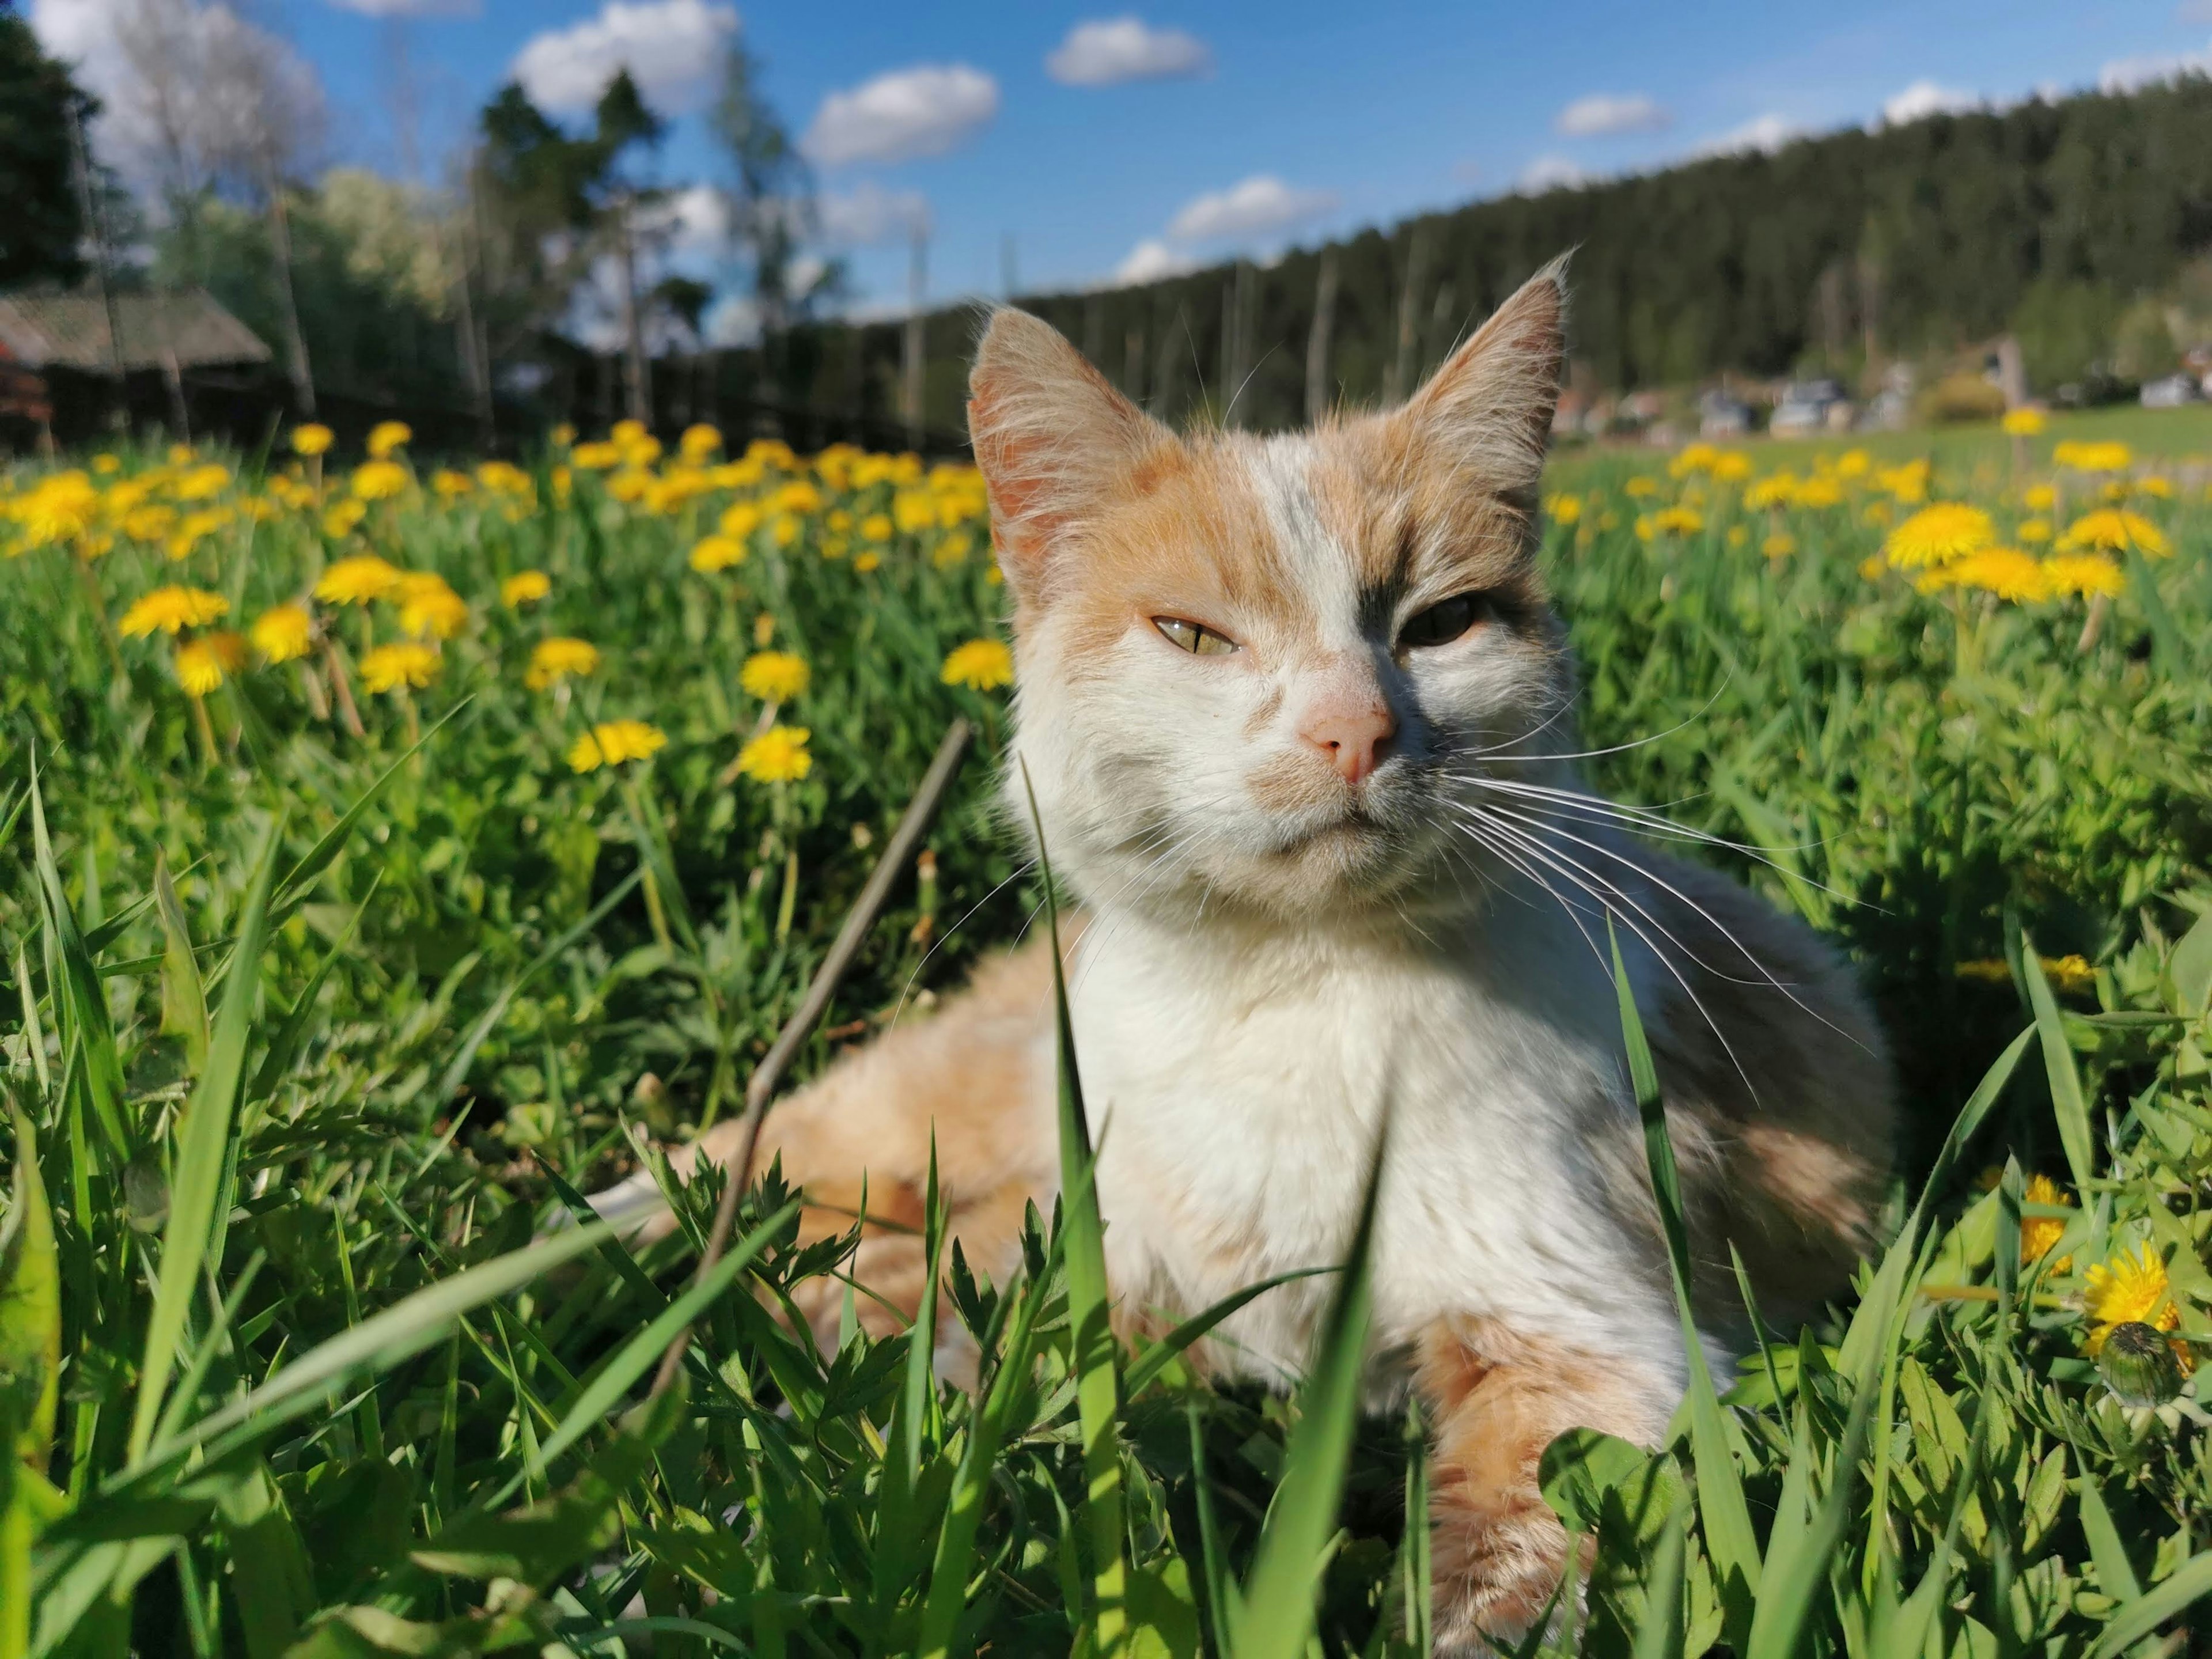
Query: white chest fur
{"x":1238,"y":1089}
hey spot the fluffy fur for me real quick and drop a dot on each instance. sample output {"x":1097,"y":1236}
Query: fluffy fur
{"x":1282,"y":950}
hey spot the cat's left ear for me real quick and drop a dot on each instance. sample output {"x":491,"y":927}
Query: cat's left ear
{"x":1054,"y":440}
{"x":1487,"y":412}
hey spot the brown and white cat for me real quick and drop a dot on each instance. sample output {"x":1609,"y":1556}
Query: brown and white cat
{"x":1298,"y":717}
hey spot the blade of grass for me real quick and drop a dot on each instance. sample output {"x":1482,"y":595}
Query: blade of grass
{"x":82,"y":1006}
{"x":2066,"y":1101}
{"x":2189,"y":1583}
{"x":184,"y":1001}
{"x":203,"y":1146}
{"x":1096,"y":1356}
{"x":1729,"y":1539}
{"x":1277,"y":1620}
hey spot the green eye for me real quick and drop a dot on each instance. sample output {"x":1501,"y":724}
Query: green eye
{"x":1447,"y":620}
{"x":1195,"y":637}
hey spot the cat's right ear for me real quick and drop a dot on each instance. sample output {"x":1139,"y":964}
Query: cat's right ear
{"x":1054,"y":439}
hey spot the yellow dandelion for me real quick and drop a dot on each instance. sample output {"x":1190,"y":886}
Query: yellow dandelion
{"x":2083,"y":575}
{"x":773,"y":676}
{"x":202,"y":484}
{"x":2038,"y":1233}
{"x":379,"y":480}
{"x":952,"y":551}
{"x":1640,"y":487}
{"x":358,"y":581}
{"x":610,"y":743}
{"x":104,"y":465}
{"x":525,"y":587}
{"x":1779,"y":545}
{"x":1776,"y":489}
{"x":2033,"y":532}
{"x":170,"y":610}
{"x":2023,"y":422}
{"x":779,"y":755}
{"x":1820,"y":491}
{"x":428,"y":605}
{"x":504,"y":479}
{"x":395,"y":668}
{"x":388,"y":435}
{"x":1939,"y":535}
{"x":740,"y":520}
{"x":61,"y":508}
{"x":199,"y":670}
{"x":2084,"y":457}
{"x":555,"y":660}
{"x":1561,"y":508}
{"x":870,"y":560}
{"x":449,"y":485}
{"x":715,"y":553}
{"x":150,"y":523}
{"x":596,"y":457}
{"x":2006,"y":572}
{"x":980,"y":664}
{"x":785,"y":529}
{"x":340,"y":520}
{"x":877,"y":527}
{"x":699,"y":441}
{"x":2131,"y":1289}
{"x":2115,"y":530}
{"x":311,"y":438}
{"x":282,"y":632}
{"x":2157,"y":487}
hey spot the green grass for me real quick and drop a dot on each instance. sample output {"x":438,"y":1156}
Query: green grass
{"x":307,"y":1035}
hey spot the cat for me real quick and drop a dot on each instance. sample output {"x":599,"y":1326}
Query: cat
{"x":1298,"y":717}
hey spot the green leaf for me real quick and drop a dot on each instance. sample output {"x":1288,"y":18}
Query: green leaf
{"x":80,"y":1004}
{"x":2116,"y":1574}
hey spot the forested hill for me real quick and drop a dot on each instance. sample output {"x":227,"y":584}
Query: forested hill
{"x":2049,"y":219}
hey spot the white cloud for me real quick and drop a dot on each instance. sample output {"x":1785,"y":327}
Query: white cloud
{"x":673,"y":49}
{"x":2132,"y":74}
{"x":1261,"y":206}
{"x":410,"y":7}
{"x":1923,"y":99}
{"x":694,"y":220}
{"x":1765,"y":133}
{"x":1106,"y":51}
{"x":908,"y":113}
{"x":1150,"y":260}
{"x":1550,"y":173}
{"x":870,"y":216}
{"x":1602,"y":114}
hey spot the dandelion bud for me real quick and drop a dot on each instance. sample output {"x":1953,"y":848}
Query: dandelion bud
{"x":2138,"y":1365}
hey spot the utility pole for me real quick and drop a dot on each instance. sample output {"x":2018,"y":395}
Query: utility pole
{"x":1320,"y":394}
{"x":911,"y":363}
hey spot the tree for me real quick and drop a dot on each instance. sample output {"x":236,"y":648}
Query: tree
{"x":624,"y":127}
{"x":771,"y":203}
{"x":42,"y":230}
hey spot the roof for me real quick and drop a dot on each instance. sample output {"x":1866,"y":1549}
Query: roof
{"x":70,"y":330}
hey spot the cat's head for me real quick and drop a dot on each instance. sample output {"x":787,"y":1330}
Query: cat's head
{"x":1249,"y":668}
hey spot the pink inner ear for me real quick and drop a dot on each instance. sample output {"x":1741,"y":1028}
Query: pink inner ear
{"x":1007,"y":463}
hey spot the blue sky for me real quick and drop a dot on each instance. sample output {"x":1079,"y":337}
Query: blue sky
{"x":1233,"y":124}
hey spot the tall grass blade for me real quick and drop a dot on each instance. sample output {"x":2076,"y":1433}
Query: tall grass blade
{"x":184,"y":1000}
{"x":1276,"y":1618}
{"x":81,"y":1006}
{"x":2189,"y":1583}
{"x":202,"y":1154}
{"x":1096,"y":1355}
{"x":2066,"y":1100}
{"x":1721,"y":1506}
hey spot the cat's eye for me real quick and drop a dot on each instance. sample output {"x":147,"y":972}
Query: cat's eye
{"x":1446,"y":620}
{"x":1195,"y":637}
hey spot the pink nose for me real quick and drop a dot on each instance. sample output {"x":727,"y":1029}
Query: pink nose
{"x":1355,"y":737}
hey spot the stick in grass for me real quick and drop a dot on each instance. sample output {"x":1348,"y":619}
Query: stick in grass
{"x":843,"y":949}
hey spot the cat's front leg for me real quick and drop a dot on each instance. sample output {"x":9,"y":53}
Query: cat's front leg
{"x":1496,"y":1397}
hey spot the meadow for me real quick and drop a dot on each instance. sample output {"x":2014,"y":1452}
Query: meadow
{"x":391,"y":847}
